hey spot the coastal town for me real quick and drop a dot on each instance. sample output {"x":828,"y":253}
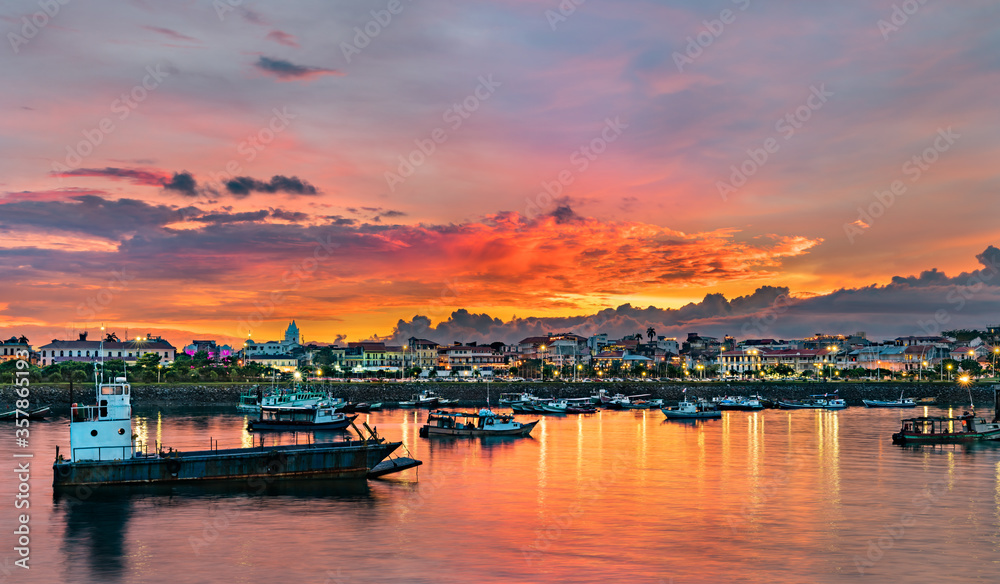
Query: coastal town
{"x":642,"y":356}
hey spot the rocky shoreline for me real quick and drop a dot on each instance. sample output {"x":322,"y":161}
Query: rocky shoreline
{"x":475,"y":393}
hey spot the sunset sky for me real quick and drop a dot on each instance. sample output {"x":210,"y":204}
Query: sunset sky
{"x":484,"y":171}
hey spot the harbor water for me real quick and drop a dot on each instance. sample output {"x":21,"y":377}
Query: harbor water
{"x":617,"y":496}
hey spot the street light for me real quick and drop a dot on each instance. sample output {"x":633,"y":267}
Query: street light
{"x":158,"y":369}
{"x":949,"y":371}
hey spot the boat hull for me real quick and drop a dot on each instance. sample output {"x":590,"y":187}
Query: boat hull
{"x":944,"y":438}
{"x":341,"y":460}
{"x":740,"y":407}
{"x":672,"y":415}
{"x":874,"y":403}
{"x":791,"y":406}
{"x":429,"y":430}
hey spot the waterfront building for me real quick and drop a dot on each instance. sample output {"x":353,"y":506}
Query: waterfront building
{"x":13,"y":349}
{"x":83,"y":350}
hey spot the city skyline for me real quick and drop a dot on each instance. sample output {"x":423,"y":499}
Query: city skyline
{"x":224,"y":168}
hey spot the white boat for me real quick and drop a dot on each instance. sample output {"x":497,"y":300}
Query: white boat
{"x":739,"y":403}
{"x":507,"y":399}
{"x":896,"y":403}
{"x":814,"y":402}
{"x":692,"y":410}
{"x":555,"y":406}
{"x":322,"y":416}
{"x":483,"y":423}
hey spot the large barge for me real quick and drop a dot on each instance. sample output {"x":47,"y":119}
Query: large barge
{"x":103,"y":451}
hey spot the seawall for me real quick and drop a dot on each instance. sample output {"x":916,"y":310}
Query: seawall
{"x":475,"y":393}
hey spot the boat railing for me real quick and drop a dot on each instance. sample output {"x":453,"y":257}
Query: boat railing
{"x":101,"y":453}
{"x":94,"y":413}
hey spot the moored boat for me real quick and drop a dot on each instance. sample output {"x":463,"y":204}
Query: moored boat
{"x":321,"y":416}
{"x":483,"y":423}
{"x":692,"y":410}
{"x":104,"y":451}
{"x":945,"y":430}
{"x":814,"y":402}
{"x":897,"y":403}
{"x":740,"y":403}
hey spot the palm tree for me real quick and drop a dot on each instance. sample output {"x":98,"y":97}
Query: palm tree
{"x":650,"y":332}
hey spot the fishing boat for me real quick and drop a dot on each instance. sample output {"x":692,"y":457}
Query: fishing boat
{"x":692,"y":410}
{"x":896,"y":403}
{"x":600,"y":398}
{"x":740,"y":403}
{"x":104,"y":451}
{"x":507,"y":399}
{"x":322,"y":416}
{"x":555,"y":407}
{"x":624,"y":402}
{"x":250,"y":400}
{"x":826,"y":401}
{"x":945,"y":430}
{"x":483,"y":423}
{"x":34,"y":414}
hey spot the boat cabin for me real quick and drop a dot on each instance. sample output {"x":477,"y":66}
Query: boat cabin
{"x":462,"y":420}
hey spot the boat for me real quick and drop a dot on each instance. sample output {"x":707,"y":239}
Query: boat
{"x":507,"y":399}
{"x":34,"y":414}
{"x":250,"y":400}
{"x":104,"y":451}
{"x":483,"y":423}
{"x":298,"y":398}
{"x":945,"y":430}
{"x":555,"y":407}
{"x":364,"y":407}
{"x":600,"y":398}
{"x":692,"y":410}
{"x":581,"y":409}
{"x":896,"y":403}
{"x":322,"y":416}
{"x":740,"y":403}
{"x":824,"y":401}
{"x":624,"y":402}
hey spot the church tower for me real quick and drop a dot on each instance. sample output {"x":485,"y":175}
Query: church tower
{"x":292,"y":334}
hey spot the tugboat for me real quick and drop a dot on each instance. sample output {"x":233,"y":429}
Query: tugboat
{"x":484,"y":423}
{"x":103,"y":451}
{"x":692,"y":410}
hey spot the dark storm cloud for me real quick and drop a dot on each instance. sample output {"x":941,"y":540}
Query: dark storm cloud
{"x":242,"y":186}
{"x":183,"y":183}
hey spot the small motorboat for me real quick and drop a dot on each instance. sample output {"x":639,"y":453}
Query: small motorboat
{"x":824,"y":401}
{"x":555,"y":407}
{"x":581,"y":409}
{"x":692,"y":410}
{"x":365,"y":407}
{"x":896,"y":403}
{"x":483,"y":423}
{"x":740,"y":403}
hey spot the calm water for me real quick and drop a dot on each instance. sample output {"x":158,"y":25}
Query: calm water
{"x":774,"y":496}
